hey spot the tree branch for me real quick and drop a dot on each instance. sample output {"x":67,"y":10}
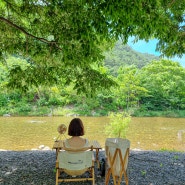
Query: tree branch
{"x":28,"y":34}
{"x":170,"y":4}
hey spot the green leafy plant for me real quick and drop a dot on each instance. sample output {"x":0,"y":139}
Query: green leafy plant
{"x":176,"y":157}
{"x":143,"y":172}
{"x":119,"y":123}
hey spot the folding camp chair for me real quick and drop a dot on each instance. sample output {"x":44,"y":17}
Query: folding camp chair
{"x":74,"y":163}
{"x":117,"y":154}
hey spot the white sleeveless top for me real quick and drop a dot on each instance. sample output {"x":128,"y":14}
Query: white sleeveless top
{"x":67,"y":145}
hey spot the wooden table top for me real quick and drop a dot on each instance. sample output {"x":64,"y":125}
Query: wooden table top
{"x":59,"y":144}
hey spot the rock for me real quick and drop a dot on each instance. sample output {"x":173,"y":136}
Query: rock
{"x":41,"y":147}
{"x":6,"y":115}
{"x":33,"y":149}
{"x":1,"y":180}
{"x":46,"y":148}
{"x":37,"y":167}
{"x":2,"y":150}
{"x":8,"y":173}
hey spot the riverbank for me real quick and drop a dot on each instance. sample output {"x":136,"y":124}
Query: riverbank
{"x":74,"y":110}
{"x":145,"y":168}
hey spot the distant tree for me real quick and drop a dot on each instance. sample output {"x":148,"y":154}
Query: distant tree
{"x":130,"y":90}
{"x":165,"y":82}
{"x":64,"y":39}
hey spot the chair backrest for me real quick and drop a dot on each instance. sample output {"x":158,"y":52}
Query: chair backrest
{"x":118,"y":148}
{"x":75,"y":161}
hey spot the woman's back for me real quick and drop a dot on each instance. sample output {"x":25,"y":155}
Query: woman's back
{"x":76,"y":142}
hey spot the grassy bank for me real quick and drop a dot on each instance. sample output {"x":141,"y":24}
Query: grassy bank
{"x":70,"y":110}
{"x":168,"y":113}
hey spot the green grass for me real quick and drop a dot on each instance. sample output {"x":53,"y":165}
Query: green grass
{"x":168,"y":150}
{"x":167,"y":113}
{"x":36,"y":110}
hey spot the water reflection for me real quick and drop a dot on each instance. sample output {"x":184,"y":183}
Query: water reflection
{"x":25,"y":133}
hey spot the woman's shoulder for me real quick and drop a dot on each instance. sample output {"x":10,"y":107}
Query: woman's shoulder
{"x":86,"y":142}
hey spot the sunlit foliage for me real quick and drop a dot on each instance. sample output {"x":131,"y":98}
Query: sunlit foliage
{"x":65,"y":39}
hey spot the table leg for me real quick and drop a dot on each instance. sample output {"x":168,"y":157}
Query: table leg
{"x":97,"y":158}
{"x":57,"y":150}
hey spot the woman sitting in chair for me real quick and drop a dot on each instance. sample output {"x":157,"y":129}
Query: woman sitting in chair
{"x":75,"y":130}
{"x":77,"y":157}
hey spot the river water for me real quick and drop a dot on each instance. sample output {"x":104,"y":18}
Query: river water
{"x":156,"y":133}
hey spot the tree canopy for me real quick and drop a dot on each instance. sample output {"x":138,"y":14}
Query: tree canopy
{"x":63,"y":40}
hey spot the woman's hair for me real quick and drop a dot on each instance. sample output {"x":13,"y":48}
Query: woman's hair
{"x":76,"y":127}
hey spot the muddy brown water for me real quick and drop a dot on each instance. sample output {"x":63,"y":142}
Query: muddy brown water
{"x":156,"y":133}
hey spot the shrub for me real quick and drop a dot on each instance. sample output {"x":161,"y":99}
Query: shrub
{"x":119,"y":123}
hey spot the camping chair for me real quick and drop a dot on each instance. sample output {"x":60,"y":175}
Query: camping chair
{"x":117,"y":153}
{"x":75,"y":162}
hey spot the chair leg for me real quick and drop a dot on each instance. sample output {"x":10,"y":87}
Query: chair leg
{"x":127,"y":177}
{"x":114,"y":179}
{"x":107,"y":177}
{"x":93,"y":181}
{"x":123,"y":173}
{"x":57,"y":175}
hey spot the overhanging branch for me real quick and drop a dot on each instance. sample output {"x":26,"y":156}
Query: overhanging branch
{"x":28,"y":34}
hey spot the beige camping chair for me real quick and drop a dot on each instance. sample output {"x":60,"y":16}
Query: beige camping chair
{"x":75,"y":162}
{"x":117,"y":154}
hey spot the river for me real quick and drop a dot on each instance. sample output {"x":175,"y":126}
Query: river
{"x":154,"y":133}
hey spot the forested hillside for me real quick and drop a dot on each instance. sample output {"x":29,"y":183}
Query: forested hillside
{"x":146,"y":86}
{"x":60,"y":48}
{"x":124,"y":55}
